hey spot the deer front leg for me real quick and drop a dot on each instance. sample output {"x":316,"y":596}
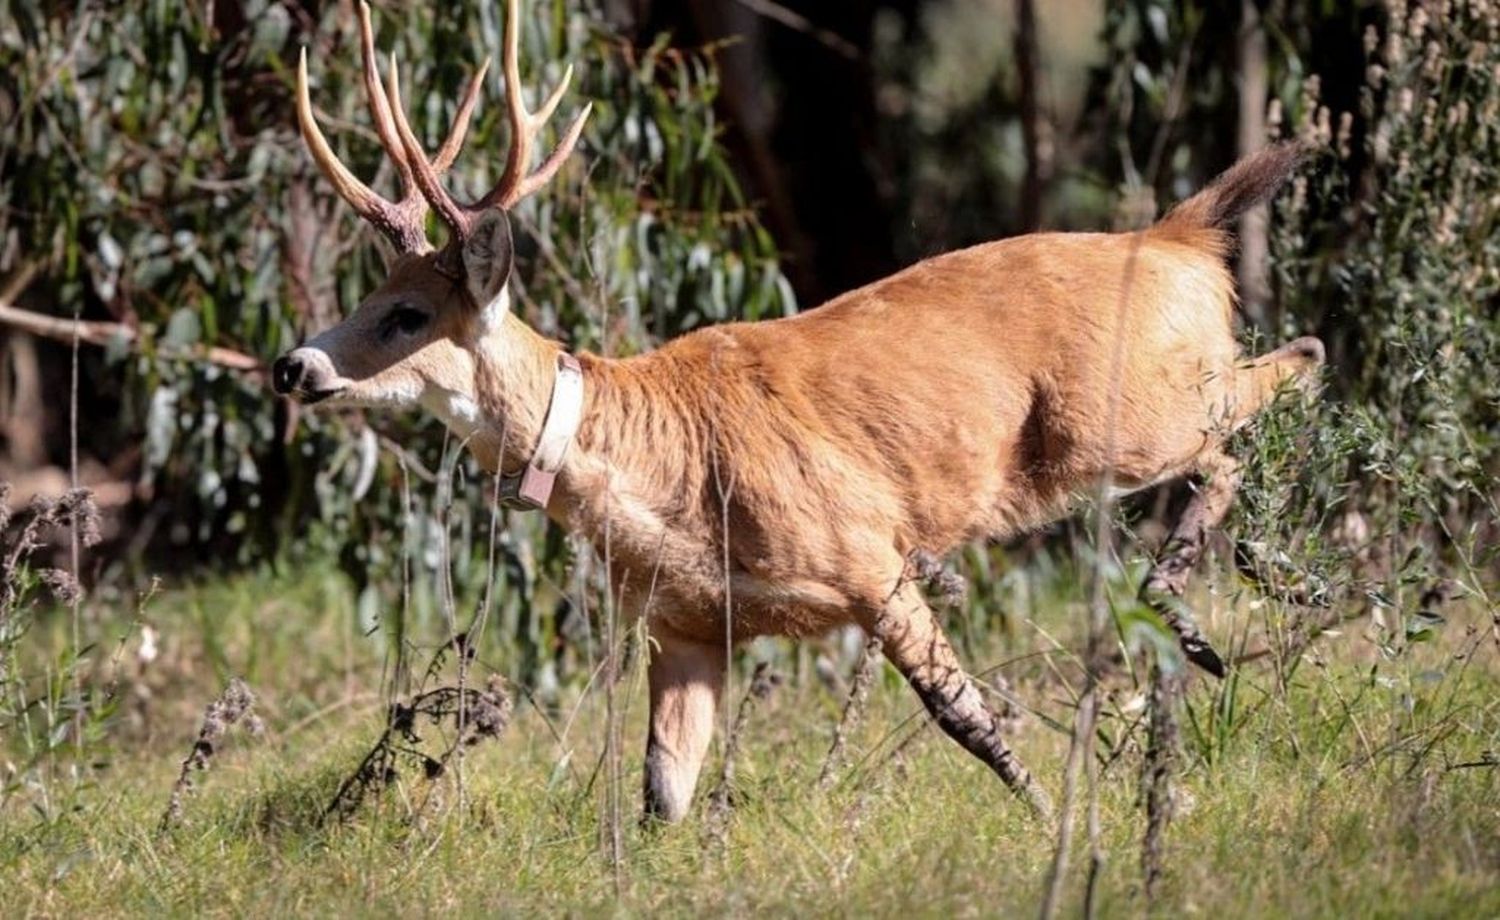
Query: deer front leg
{"x":1218,"y":479}
{"x":914,"y":642}
{"x":686,"y":679}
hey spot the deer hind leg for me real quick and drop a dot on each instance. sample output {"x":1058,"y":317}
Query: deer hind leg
{"x":686,"y":679}
{"x":913,"y":641}
{"x":1218,"y":477}
{"x":1255,"y":384}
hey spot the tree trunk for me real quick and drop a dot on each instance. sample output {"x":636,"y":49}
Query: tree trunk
{"x":1033,"y":128}
{"x":1255,"y":291}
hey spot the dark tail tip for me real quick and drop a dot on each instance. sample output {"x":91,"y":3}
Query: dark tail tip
{"x":1251,"y":181}
{"x":1308,"y":348}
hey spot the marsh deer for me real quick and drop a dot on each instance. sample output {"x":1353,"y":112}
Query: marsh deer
{"x":780,"y":474}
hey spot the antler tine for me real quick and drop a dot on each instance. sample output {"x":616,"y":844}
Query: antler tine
{"x":424,"y":173}
{"x":542,"y":114}
{"x":379,"y":110}
{"x":514,"y":183}
{"x":455,"y":140}
{"x":404,"y":230}
{"x":515,"y":107}
{"x":554,"y":161}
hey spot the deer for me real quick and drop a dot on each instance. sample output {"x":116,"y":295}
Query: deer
{"x":776,"y":477}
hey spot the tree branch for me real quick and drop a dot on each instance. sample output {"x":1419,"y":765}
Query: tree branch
{"x":100,"y":333}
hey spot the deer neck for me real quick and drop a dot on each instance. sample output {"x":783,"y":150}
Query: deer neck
{"x":514,"y":371}
{"x":615,"y":473}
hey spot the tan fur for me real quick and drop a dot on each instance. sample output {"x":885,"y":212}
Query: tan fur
{"x":920,"y":412}
{"x":974,"y":395}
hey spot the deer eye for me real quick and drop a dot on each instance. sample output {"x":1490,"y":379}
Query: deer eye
{"x":402,"y":319}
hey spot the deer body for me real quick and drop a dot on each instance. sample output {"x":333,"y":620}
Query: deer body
{"x":781,"y":473}
{"x":966,"y":397}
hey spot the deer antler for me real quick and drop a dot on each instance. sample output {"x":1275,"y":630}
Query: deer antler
{"x":514,"y":183}
{"x":401,"y":221}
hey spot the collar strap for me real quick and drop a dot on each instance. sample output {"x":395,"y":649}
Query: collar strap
{"x":530,"y":489}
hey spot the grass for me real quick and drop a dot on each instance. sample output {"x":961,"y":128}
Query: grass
{"x":1340,"y":796}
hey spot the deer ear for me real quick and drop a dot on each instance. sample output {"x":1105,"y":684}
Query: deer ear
{"x":488,"y":254}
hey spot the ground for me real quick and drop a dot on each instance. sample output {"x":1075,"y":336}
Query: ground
{"x":1367,"y":786}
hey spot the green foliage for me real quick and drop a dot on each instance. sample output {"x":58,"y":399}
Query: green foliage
{"x":1389,"y":249}
{"x":1384,"y":487}
{"x":1376,"y":496}
{"x":154,"y":172}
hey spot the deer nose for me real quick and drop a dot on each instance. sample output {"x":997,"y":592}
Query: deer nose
{"x":287,"y":373}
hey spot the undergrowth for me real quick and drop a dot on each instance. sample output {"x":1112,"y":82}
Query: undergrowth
{"x":1354,"y":784}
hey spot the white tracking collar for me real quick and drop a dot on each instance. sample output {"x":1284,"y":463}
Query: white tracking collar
{"x":530,"y":489}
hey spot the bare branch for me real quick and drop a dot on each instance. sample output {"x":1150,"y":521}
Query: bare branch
{"x":102,"y":334}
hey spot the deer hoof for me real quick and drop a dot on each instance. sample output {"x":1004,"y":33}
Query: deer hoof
{"x":1200,"y":653}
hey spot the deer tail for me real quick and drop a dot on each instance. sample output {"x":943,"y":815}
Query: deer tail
{"x":1251,"y":181}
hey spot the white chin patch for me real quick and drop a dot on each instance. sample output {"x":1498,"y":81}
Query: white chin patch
{"x":456,"y":410}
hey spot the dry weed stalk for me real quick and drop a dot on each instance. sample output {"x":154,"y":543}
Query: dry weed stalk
{"x":476,"y":715}
{"x":947,"y":587}
{"x":68,"y":714}
{"x":720,"y":800}
{"x":875,"y":778}
{"x":235,"y":705}
{"x":1157,"y":773}
{"x":75,"y":510}
{"x":1081,"y":746}
{"x":854,"y":707}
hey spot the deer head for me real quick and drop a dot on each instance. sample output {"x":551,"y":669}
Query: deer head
{"x":420,"y":338}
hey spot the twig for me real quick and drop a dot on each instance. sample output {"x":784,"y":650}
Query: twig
{"x":1306,"y":634}
{"x":613,"y":811}
{"x":410,"y":462}
{"x":1487,"y":761}
{"x":1082,"y":744}
{"x":797,"y":22}
{"x":1033,"y":141}
{"x":1083,"y":724}
{"x":18,"y":282}
{"x":1254,"y":229}
{"x":854,"y":707}
{"x":725,"y":493}
{"x":487,"y":714}
{"x":312,"y":718}
{"x":720,"y":800}
{"x":1249,"y":561}
{"x":73,"y":553}
{"x":1157,"y":771}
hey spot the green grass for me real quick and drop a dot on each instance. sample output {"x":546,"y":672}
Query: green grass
{"x":1338,"y":797}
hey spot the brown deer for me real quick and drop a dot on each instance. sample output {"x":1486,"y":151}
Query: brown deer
{"x":779,"y":475}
